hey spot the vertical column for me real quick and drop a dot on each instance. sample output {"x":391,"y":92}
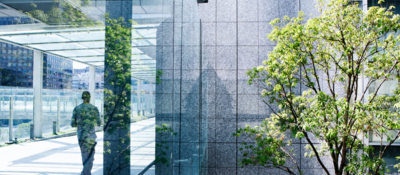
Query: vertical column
{"x":11,"y":119}
{"x":364,"y":5}
{"x":25,"y":99}
{"x":92,"y":84}
{"x":139,"y":97}
{"x":132,"y":114}
{"x":151,"y":97}
{"x":58,"y":114}
{"x":117,"y":92}
{"x":37,"y":88}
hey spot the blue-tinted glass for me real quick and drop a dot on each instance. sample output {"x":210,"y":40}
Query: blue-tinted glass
{"x":9,"y":20}
{"x":11,"y":75}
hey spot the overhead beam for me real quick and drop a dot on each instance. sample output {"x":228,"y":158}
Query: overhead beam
{"x":66,"y":31}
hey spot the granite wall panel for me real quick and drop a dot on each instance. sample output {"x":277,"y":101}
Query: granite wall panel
{"x":247,"y":57}
{"x":226,"y":58}
{"x":226,"y":10}
{"x":209,"y":34}
{"x":208,"y":11}
{"x":248,"y":33}
{"x":226,"y":34}
{"x":234,"y":41}
{"x":248,"y":10}
{"x":268,"y":10}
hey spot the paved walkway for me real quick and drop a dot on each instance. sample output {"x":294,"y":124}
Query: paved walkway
{"x":62,"y":155}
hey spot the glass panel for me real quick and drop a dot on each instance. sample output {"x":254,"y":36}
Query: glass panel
{"x":67,"y":104}
{"x":67,"y":35}
{"x":75,"y":53}
{"x":93,"y":44}
{"x":90,"y":59}
{"x":144,"y":33}
{"x":135,"y":52}
{"x":22,"y":104}
{"x":162,"y":46}
{"x":16,"y":66}
{"x":386,"y":4}
{"x":386,"y":89}
{"x":143,"y":89}
{"x":390,"y":159}
{"x":144,"y":42}
{"x":99,"y":103}
{"x":22,"y":112}
{"x":142,"y":128}
{"x":97,"y":63}
{"x":67,"y":100}
{"x":83,"y":36}
{"x":39,"y":38}
{"x":5,"y":93}
{"x":49,"y":109}
{"x":63,"y":46}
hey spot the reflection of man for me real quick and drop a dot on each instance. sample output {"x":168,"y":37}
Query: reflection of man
{"x":85,"y":117}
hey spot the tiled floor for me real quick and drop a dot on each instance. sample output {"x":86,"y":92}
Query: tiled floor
{"x":62,"y":155}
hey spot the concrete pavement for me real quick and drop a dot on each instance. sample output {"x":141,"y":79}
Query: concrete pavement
{"x":62,"y":155}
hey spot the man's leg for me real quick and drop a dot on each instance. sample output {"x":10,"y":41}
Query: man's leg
{"x":87,"y":151}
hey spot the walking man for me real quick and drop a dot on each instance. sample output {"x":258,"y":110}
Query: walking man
{"x":85,"y":117}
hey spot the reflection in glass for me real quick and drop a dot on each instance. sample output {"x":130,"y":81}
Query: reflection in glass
{"x":117,"y":93}
{"x":21,"y":100}
{"x":390,"y":159}
{"x":16,"y":66}
{"x":153,"y":95}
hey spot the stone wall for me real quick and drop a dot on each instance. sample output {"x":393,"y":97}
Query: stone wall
{"x":234,"y":40}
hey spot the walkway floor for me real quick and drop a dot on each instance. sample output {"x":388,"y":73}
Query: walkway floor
{"x":62,"y":155}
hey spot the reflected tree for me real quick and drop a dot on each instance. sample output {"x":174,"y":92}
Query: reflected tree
{"x":117,"y":90}
{"x":4,"y":135}
{"x":163,"y":147}
{"x":63,"y":13}
{"x":7,"y":77}
{"x":23,"y":130}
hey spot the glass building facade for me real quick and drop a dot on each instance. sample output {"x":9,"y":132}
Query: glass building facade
{"x":165,"y":49}
{"x":57,"y":72}
{"x":17,"y":68}
{"x":170,"y":99}
{"x":16,"y":64}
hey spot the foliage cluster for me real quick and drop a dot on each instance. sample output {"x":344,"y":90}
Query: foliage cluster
{"x":312,"y":84}
{"x":117,"y":90}
{"x":163,"y":147}
{"x":63,"y":13}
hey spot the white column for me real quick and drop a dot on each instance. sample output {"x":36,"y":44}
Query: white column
{"x":37,"y":87}
{"x":151,"y":98}
{"x":139,"y":97}
{"x":58,"y":114}
{"x":92,"y":84}
{"x":11,"y":120}
{"x":365,"y":5}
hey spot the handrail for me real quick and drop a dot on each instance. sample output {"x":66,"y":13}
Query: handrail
{"x":147,"y":168}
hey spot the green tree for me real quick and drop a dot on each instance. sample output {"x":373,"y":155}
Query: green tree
{"x":328,"y":54}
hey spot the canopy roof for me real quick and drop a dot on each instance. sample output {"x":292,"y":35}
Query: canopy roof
{"x":85,"y":44}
